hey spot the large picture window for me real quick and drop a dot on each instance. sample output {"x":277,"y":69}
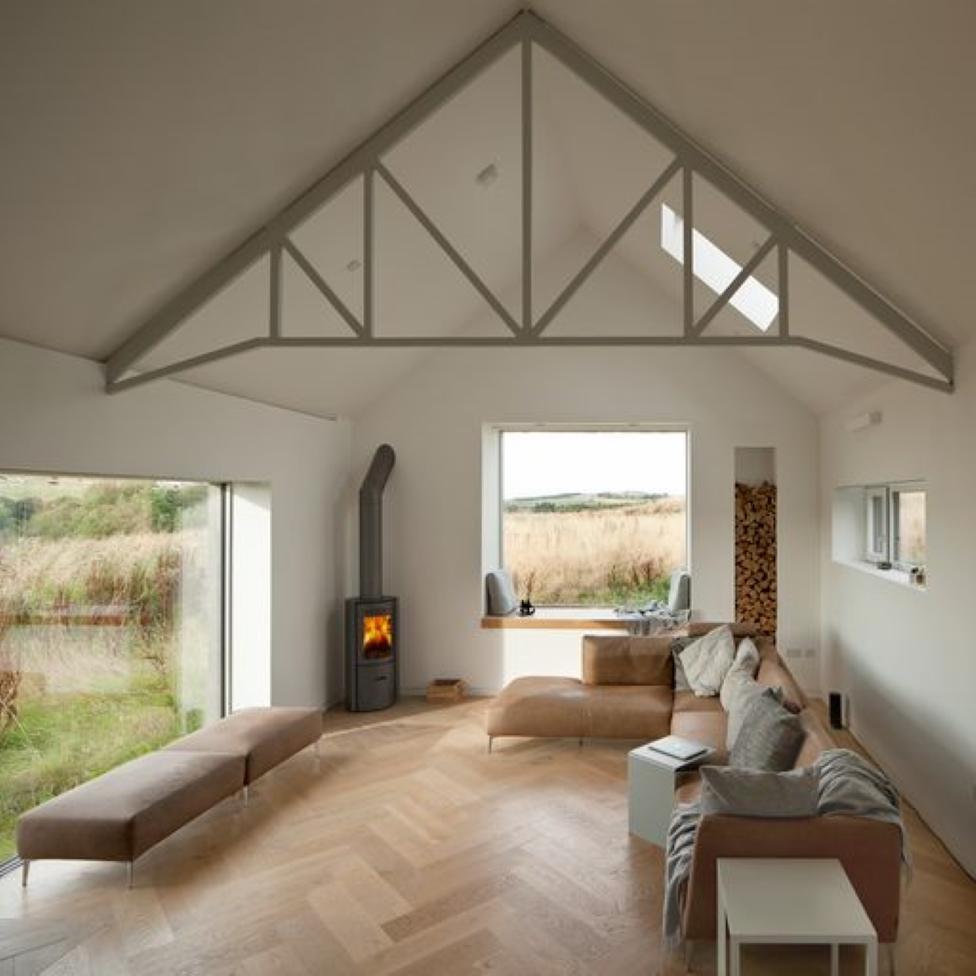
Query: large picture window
{"x":594,"y":517}
{"x":110,"y":627}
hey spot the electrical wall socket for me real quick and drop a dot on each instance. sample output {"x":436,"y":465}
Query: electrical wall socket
{"x":800,"y":652}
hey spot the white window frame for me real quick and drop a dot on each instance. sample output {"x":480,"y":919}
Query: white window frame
{"x":884,"y":548}
{"x":493,"y":554}
{"x":876,"y":546}
{"x":905,"y":565}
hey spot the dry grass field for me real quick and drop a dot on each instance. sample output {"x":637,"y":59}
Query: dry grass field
{"x":608,"y":553}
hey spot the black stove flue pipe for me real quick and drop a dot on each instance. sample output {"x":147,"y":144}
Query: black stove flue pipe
{"x":371,"y":522}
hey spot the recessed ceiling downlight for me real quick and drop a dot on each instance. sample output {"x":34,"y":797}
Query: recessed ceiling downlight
{"x":487,"y":176}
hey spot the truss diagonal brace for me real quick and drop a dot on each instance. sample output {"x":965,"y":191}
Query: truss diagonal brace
{"x":323,"y":286}
{"x":448,"y":248}
{"x":733,"y":286}
{"x":604,"y":249}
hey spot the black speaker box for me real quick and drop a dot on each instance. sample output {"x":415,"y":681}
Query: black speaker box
{"x":838,"y":718}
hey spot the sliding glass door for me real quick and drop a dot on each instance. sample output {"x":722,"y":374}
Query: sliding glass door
{"x":111,"y":596}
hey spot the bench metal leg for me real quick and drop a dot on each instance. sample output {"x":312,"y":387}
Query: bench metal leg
{"x":24,"y":871}
{"x":689,"y":954}
{"x":130,"y":873}
{"x":489,"y":744}
{"x":581,"y":742}
{"x":245,"y":795}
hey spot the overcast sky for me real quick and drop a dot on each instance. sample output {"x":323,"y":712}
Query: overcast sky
{"x":538,"y":463}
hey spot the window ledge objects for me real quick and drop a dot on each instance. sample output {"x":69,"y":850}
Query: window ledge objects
{"x":893,"y":575}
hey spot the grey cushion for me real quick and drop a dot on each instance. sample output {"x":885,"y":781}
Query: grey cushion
{"x":757,"y":793}
{"x":679,"y":591}
{"x":770,"y":737}
{"x":738,"y":691}
{"x":501,"y":593}
{"x":680,"y":678}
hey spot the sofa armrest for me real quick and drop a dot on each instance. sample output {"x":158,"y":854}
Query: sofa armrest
{"x":870,"y":851}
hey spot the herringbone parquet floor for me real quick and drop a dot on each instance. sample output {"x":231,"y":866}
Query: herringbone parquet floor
{"x":412,"y":851}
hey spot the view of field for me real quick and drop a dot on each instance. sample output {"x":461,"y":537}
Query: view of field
{"x":105,"y":628}
{"x":911,"y":528}
{"x":594,"y":549}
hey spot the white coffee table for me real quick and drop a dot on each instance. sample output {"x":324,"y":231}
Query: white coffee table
{"x":651,"y":779}
{"x":790,"y":900}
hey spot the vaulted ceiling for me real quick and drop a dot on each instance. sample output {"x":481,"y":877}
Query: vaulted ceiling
{"x":142,"y":142}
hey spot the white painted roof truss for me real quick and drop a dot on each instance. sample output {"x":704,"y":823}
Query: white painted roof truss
{"x":529,"y":33}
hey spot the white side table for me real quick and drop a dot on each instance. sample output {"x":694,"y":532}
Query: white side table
{"x":790,"y":900}
{"x":650,"y":790}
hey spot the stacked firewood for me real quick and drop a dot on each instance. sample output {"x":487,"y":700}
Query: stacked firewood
{"x":755,"y":556}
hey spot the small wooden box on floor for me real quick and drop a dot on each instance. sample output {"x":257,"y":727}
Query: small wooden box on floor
{"x":446,"y":690}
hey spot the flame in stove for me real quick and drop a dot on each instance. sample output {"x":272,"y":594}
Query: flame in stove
{"x":377,"y":634}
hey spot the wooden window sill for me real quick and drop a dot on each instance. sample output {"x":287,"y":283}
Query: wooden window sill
{"x":560,"y":618}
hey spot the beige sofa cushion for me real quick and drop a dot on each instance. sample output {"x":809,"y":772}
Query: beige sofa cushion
{"x":707,"y":728}
{"x":263,"y":737}
{"x":117,"y":816}
{"x":688,"y":701}
{"x":627,"y":711}
{"x":817,"y":738}
{"x":538,"y":706}
{"x":623,"y":660}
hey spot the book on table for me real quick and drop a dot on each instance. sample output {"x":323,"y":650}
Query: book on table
{"x":678,"y":748}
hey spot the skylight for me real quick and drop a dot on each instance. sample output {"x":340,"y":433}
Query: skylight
{"x":714,"y":268}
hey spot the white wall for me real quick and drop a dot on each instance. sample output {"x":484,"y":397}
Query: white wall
{"x":907,"y":657}
{"x":55,"y":416}
{"x":434,"y":417}
{"x":250,"y":596}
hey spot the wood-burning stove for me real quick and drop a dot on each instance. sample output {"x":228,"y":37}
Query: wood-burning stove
{"x":371,"y":664}
{"x":372,"y":627}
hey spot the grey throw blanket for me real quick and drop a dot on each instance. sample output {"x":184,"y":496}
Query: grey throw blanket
{"x":848,"y":785}
{"x":677,"y":867}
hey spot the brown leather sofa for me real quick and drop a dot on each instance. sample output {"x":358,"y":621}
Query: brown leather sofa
{"x":627,"y":691}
